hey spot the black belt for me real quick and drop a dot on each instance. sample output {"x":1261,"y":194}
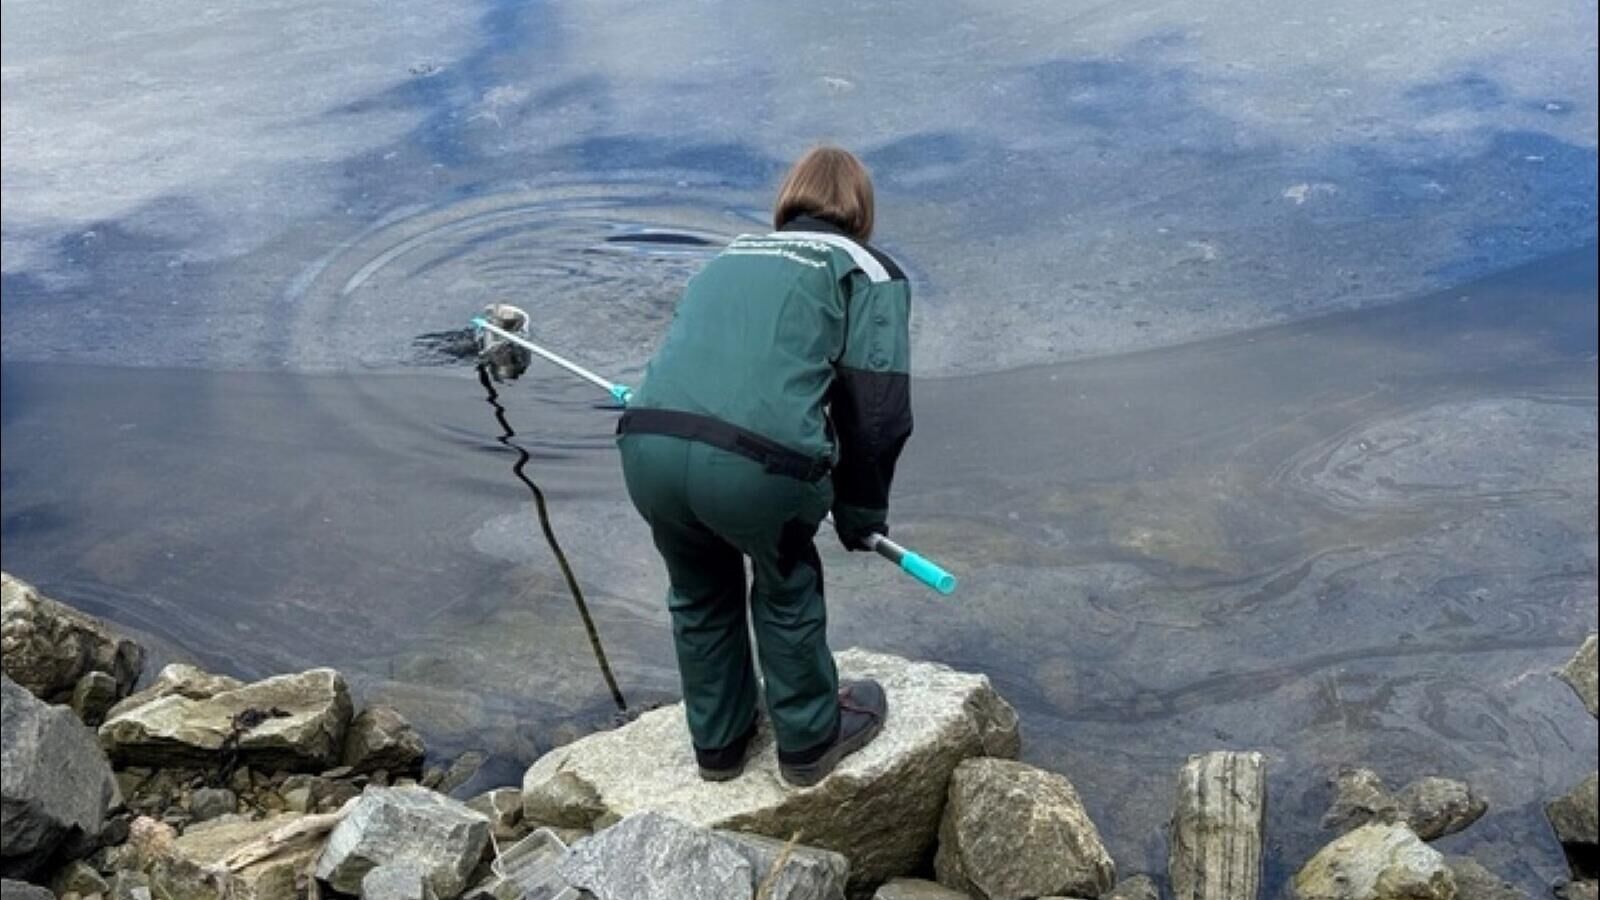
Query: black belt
{"x":773,"y":456}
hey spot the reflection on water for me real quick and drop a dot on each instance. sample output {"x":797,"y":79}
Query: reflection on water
{"x":1365,"y":539}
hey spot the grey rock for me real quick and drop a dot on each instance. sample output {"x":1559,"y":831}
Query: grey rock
{"x":405,"y":824}
{"x":11,"y":889}
{"x":396,"y":881}
{"x":130,"y":886}
{"x":47,"y":647}
{"x":1217,"y":827}
{"x":1577,"y":890}
{"x":937,"y":717}
{"x":56,"y":784}
{"x":654,"y":855}
{"x":294,"y":722}
{"x":78,"y":877}
{"x":1135,"y":887}
{"x":1011,"y":831}
{"x":1577,"y":825}
{"x":1377,"y":861}
{"x":791,"y":872}
{"x":916,"y":889}
{"x":93,"y":695}
{"x":1474,"y":882}
{"x":208,"y":803}
{"x":1435,"y":807}
{"x":503,"y":807}
{"x":1360,"y":797}
{"x":461,"y":771}
{"x":1580,"y":672}
{"x":381,"y":738}
{"x":181,"y":679}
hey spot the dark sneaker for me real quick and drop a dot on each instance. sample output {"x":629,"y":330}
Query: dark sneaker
{"x":862,"y":709}
{"x":727,"y":763}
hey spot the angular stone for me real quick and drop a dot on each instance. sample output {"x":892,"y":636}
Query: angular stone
{"x":654,"y":855}
{"x":1360,"y":797}
{"x":78,"y":877}
{"x":47,"y":646}
{"x":1217,"y":827}
{"x":181,"y":679}
{"x":208,"y":803}
{"x":916,"y":889}
{"x":1575,"y":890}
{"x":381,"y":738}
{"x":1011,"y":831}
{"x":503,"y":808}
{"x":294,"y":722}
{"x":1435,"y":807}
{"x":1577,"y":825}
{"x":1580,"y":672}
{"x":1136,"y":887}
{"x":93,"y":696}
{"x":411,"y":825}
{"x":21,"y":890}
{"x":397,"y":881}
{"x":784,"y":871}
{"x":1377,"y":861}
{"x":1474,"y":882}
{"x":56,"y":784}
{"x":880,"y":807}
{"x":188,"y":872}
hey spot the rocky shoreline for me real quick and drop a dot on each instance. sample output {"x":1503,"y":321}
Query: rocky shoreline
{"x":202,"y":787}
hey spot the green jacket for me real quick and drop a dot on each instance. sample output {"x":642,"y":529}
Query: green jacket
{"x":802,"y":337}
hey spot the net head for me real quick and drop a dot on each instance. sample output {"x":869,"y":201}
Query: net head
{"x":504,"y":359}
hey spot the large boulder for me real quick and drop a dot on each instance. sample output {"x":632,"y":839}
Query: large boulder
{"x":177,"y":678}
{"x":410,"y":825}
{"x":48,"y":647}
{"x":1377,"y":861}
{"x":1580,"y":672}
{"x":1011,"y":831}
{"x":880,"y":808}
{"x":1577,"y":824}
{"x":1217,"y":827}
{"x":651,"y":854}
{"x":381,"y":739}
{"x":57,"y":784}
{"x":291,"y":722}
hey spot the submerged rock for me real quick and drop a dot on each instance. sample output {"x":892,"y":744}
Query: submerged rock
{"x":293,"y":722}
{"x":1435,"y":807}
{"x":880,"y":808}
{"x":181,"y":679}
{"x":1474,"y":882}
{"x":48,"y":647}
{"x":1217,"y":827}
{"x":1359,"y":797}
{"x":381,"y":739}
{"x":1576,"y":820}
{"x":1011,"y":831}
{"x":410,"y":825}
{"x":56,"y":784}
{"x":1376,"y":862}
{"x":1581,"y":673}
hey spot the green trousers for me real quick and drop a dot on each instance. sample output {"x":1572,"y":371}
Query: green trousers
{"x":708,"y":510}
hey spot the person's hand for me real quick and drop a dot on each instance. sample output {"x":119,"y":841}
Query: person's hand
{"x":853,"y":528}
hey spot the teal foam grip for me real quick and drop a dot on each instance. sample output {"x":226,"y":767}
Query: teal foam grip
{"x":621,"y":393}
{"x":928,"y":572}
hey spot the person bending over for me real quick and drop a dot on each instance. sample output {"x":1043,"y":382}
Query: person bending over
{"x":780,"y":393}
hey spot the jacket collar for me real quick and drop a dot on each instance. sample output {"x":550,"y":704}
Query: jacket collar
{"x":812,"y":223}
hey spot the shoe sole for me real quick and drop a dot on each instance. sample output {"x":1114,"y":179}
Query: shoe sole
{"x":721,"y":774}
{"x":809,"y":775}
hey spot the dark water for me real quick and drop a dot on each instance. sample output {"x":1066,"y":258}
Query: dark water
{"x":1225,"y":418}
{"x":1367,"y":538}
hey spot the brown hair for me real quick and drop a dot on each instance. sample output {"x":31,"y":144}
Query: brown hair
{"x":832,"y":185}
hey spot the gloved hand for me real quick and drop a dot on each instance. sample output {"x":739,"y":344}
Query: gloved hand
{"x":853,"y":524}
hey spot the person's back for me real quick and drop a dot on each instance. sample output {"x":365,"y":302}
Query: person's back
{"x":780,"y":392}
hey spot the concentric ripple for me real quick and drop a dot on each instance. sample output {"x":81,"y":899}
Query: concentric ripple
{"x":598,"y":269}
